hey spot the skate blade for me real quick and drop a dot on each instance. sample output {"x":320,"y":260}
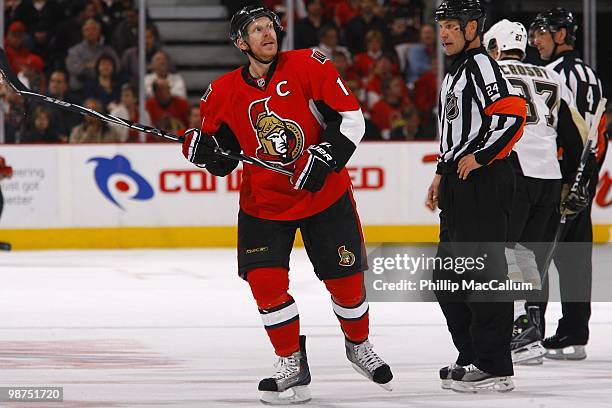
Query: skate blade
{"x":567,"y":353}
{"x":294,"y":395}
{"x":446,"y":384}
{"x":535,"y":361}
{"x":386,"y":386}
{"x":528,"y":353}
{"x":497,"y":384}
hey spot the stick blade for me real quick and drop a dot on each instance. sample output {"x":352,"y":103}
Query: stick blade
{"x":8,"y":74}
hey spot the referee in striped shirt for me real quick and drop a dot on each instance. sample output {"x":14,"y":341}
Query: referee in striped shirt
{"x":480,"y":118}
{"x":553,"y":32}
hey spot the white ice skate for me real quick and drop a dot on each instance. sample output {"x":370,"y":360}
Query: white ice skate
{"x":289,"y":385}
{"x":367,"y":363}
{"x":471,"y":379}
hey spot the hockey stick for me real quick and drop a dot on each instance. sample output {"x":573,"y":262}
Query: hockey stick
{"x":13,"y":81}
{"x":586,"y":151}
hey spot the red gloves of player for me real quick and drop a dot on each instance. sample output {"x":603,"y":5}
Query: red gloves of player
{"x":312,"y":167}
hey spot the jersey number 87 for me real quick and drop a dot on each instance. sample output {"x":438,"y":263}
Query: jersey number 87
{"x":542,"y":88}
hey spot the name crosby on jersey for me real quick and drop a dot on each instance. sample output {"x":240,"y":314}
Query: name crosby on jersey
{"x":516,"y":69}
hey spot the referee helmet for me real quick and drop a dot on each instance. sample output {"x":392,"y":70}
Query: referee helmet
{"x":552,"y":20}
{"x":462,"y":10}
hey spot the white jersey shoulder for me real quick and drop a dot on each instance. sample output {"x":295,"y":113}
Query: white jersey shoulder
{"x":543,"y":89}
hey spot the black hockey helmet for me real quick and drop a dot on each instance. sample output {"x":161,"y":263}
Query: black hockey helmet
{"x":246,"y":16}
{"x":554,"y":19}
{"x":462,"y":10}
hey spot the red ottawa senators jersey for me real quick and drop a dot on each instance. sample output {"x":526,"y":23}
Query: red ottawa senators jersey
{"x":300,"y":101}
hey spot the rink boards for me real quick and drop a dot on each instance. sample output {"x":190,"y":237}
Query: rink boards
{"x":123,"y":196}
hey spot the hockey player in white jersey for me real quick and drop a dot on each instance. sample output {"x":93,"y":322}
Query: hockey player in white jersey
{"x":550,"y":123}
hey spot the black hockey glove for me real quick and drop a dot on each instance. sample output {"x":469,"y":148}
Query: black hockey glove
{"x":575,"y":202}
{"x":200,"y":150}
{"x":312,"y":167}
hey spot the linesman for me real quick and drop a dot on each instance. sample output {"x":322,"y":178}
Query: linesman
{"x":553,"y":32}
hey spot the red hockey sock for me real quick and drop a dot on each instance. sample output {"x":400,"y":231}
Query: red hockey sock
{"x":277,"y":308}
{"x":350,"y":306}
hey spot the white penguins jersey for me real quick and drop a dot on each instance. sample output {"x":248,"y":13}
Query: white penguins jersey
{"x":543,"y":89}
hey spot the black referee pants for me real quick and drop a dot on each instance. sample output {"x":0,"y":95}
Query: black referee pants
{"x":575,"y":268}
{"x":474,"y":220}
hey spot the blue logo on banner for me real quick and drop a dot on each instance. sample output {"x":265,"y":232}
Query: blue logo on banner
{"x":119,"y":165}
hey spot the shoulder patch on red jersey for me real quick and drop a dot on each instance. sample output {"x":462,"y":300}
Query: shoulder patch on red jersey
{"x":207,"y":93}
{"x":319,"y":56}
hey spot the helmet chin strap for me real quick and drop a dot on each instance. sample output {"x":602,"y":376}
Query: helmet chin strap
{"x":554,"y":50}
{"x":467,"y":43}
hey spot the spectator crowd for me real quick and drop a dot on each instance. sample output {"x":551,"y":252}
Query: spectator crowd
{"x":85,"y":52}
{"x":385,"y":54}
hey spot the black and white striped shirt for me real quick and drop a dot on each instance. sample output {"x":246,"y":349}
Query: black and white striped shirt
{"x":478,"y":111}
{"x":582,"y":81}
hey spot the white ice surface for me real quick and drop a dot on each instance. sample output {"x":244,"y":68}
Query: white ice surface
{"x":178,"y":328}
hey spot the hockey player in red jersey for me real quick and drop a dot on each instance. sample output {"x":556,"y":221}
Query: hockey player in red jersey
{"x":6,"y":172}
{"x":292,"y":109}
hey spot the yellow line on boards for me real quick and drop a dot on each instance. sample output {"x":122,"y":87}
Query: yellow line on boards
{"x":185,"y":237}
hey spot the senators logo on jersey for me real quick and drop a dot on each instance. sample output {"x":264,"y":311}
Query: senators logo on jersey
{"x":280,"y":140}
{"x":347,"y":258}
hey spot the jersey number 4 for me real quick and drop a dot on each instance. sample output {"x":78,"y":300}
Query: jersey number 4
{"x":542,"y":88}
